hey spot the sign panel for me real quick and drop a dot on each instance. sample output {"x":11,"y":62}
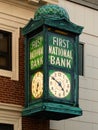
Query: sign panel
{"x":61,"y":53}
{"x":36,"y":51}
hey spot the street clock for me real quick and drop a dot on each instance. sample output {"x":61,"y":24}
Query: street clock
{"x":51,"y":65}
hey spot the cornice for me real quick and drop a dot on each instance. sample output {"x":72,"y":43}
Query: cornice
{"x":10,"y":107}
{"x":22,"y":4}
{"x":30,"y":4}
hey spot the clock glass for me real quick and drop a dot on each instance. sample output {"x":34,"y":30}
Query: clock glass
{"x":59,"y":84}
{"x":37,"y":85}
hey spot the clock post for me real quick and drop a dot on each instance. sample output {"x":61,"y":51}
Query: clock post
{"x":51,"y":65}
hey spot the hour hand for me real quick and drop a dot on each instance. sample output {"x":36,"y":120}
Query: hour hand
{"x":59,"y":83}
{"x":55,"y":80}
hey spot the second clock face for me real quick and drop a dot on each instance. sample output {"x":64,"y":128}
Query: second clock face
{"x":37,"y":85}
{"x":59,"y":84}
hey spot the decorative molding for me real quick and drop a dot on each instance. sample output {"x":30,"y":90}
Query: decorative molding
{"x":23,"y":4}
{"x":29,"y":4}
{"x":50,"y":1}
{"x":10,"y":107}
{"x":43,"y":1}
{"x":11,"y":114}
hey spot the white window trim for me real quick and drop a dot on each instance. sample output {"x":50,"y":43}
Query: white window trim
{"x":11,"y":114}
{"x":7,"y":24}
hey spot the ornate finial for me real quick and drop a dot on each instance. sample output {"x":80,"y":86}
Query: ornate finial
{"x":51,"y":11}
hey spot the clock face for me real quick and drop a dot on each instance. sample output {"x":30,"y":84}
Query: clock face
{"x":37,"y":85}
{"x":59,"y":84}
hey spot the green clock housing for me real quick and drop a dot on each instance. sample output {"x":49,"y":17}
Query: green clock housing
{"x":51,"y":65}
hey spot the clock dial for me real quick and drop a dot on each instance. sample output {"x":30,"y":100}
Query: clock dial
{"x":37,"y":85}
{"x":59,"y":84}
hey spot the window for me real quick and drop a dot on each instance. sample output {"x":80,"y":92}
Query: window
{"x":88,"y":3}
{"x":81,"y":59}
{"x":6,"y":126}
{"x":5,"y":50}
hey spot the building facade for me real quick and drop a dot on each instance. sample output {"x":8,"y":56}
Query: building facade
{"x":14,"y":15}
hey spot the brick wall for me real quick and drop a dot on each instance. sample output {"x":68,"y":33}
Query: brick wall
{"x":35,"y":124}
{"x":12,"y":92}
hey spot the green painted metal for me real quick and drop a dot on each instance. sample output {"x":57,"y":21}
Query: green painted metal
{"x":51,"y":11}
{"x":60,"y":24}
{"x":51,"y":21}
{"x":52,"y":111}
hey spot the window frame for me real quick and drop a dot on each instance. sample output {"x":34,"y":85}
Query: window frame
{"x":14,"y":73}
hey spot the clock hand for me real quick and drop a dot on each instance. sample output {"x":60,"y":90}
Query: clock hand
{"x":61,"y":86}
{"x":37,"y":87}
{"x":59,"y":83}
{"x":55,"y":80}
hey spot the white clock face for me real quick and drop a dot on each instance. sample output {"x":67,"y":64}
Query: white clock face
{"x":59,"y":84}
{"x":37,"y":85}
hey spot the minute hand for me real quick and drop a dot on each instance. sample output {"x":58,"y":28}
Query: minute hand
{"x":59,"y":83}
